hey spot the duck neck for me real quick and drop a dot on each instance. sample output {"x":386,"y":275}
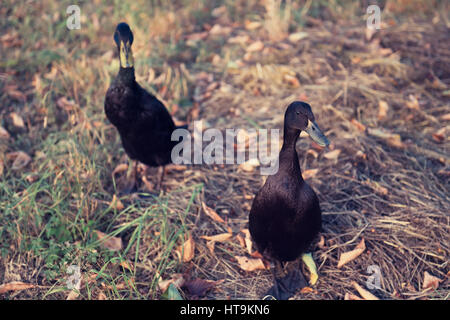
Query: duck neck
{"x":288,"y":155}
{"x":126,"y":76}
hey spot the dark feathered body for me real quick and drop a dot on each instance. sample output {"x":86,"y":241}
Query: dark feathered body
{"x":285,"y":215}
{"x":144,"y":124}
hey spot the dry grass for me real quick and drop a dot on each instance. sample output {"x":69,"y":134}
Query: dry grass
{"x":391,"y":192}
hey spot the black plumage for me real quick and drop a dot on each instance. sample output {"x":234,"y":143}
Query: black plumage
{"x":285,"y":215}
{"x":144,"y":124}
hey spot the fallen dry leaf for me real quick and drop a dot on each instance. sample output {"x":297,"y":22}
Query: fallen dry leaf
{"x":211,"y":213}
{"x":107,"y":242}
{"x":392,"y":139}
{"x":211,"y":245}
{"x":73,"y":295}
{"x":65,"y":104}
{"x":187,"y":249}
{"x":222,"y":237}
{"x":413,"y":103}
{"x":346,"y":257}
{"x":446,"y":117}
{"x":239,"y":238}
{"x":176,"y":279}
{"x":15,"y":286}
{"x":291,"y":80}
{"x":116,"y":203}
{"x":126,"y":265}
{"x":218,"y":30}
{"x":332,"y":155}
{"x":382,"y":109}
{"x":247,"y":264}
{"x":439,"y":136}
{"x":310,"y":173}
{"x":430,"y":281}
{"x":321,"y":243}
{"x":255,"y":46}
{"x":120,"y":168}
{"x":296,"y":37}
{"x":17,"y":120}
{"x":358,"y":125}
{"x":21,"y":159}
{"x":3,"y":133}
{"x":363,"y":292}
{"x":305,"y":290}
{"x":252,"y":25}
{"x":248,"y":240}
{"x":239,"y":40}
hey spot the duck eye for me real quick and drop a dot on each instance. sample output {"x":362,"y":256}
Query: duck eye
{"x":297,"y":112}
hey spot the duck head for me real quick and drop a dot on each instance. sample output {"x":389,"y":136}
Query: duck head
{"x":299,"y":116}
{"x":124,"y":39}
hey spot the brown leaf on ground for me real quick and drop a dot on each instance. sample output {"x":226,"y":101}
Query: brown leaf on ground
{"x":222,"y":237}
{"x":199,"y":287}
{"x":17,"y":120}
{"x":439,"y":136}
{"x":16,"y":286}
{"x":211,"y":245}
{"x":321,"y":243}
{"x":358,"y":125}
{"x":120,"y":168}
{"x":383,"y":108}
{"x":4,"y":134}
{"x":176,"y":279}
{"x":248,"y":264}
{"x":252,"y":25}
{"x":187,"y":249}
{"x":413,"y":103}
{"x":332,"y":155}
{"x":218,"y":30}
{"x":363,"y":292}
{"x":446,"y":117}
{"x":116,"y":203}
{"x":346,"y":257}
{"x":240,"y":240}
{"x":248,"y":240}
{"x":20,"y":159}
{"x":430,"y":281}
{"x":107,"y":242}
{"x":392,"y":139}
{"x":305,"y":290}
{"x":73,"y":295}
{"x":255,"y":46}
{"x":310,"y":173}
{"x":211,"y":213}
{"x":291,"y":80}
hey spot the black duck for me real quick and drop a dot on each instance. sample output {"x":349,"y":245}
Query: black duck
{"x":285,"y":215}
{"x":144,"y":124}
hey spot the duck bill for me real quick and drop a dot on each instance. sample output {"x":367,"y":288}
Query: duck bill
{"x":316,"y":134}
{"x":126,"y":56}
